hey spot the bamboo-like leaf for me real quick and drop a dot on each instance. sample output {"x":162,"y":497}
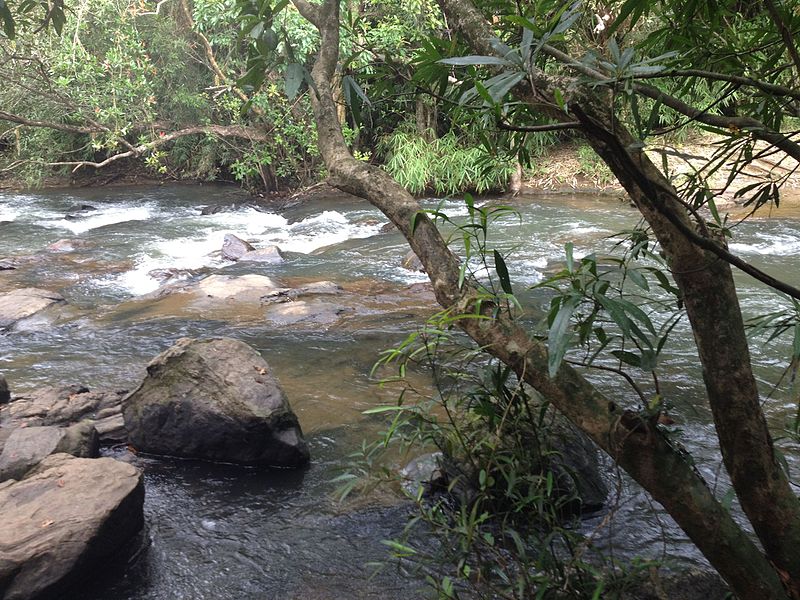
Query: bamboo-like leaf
{"x":629,"y":358}
{"x":558,"y":338}
{"x":475,"y":60}
{"x":502,"y":273}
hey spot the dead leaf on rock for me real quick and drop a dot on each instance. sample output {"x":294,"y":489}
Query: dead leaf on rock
{"x":47,"y":523}
{"x":61,"y":483}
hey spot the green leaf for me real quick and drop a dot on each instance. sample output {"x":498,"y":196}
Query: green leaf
{"x":570,"y":260}
{"x":294,"y":78}
{"x":502,"y":273}
{"x":796,"y":342}
{"x":463,"y":61}
{"x":639,"y":279}
{"x":629,"y":358}
{"x":632,"y":8}
{"x":558,"y":338}
{"x":400,"y":549}
{"x":8,"y":20}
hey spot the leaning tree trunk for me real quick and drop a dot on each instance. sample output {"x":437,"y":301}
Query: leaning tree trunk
{"x":709,"y":293}
{"x":636,"y":445}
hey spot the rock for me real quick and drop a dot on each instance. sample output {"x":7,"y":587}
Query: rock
{"x":560,"y":450}
{"x":5,"y":393}
{"x":387,"y":227}
{"x":62,"y":523}
{"x":81,"y":208}
{"x":575,"y":463}
{"x":689,"y":584}
{"x":170,"y":275}
{"x":8,"y":264}
{"x":426,"y":471}
{"x":412,"y":262}
{"x":19,"y":304}
{"x":69,"y":245}
{"x":234,"y":248}
{"x":26,"y":447}
{"x":244,"y":288}
{"x":213,"y":209}
{"x":217,"y":400}
{"x":302,"y":312}
{"x":66,"y":405}
{"x":316,"y":288}
{"x":268,"y":254}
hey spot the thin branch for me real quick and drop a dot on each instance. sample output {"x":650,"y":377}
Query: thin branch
{"x":756,"y":128}
{"x":5,"y":116}
{"x":220,"y":130}
{"x":501,"y":124}
{"x":770,"y":88}
{"x":786,"y":35}
{"x":655,"y":194}
{"x":212,"y":61}
{"x":620,"y":372}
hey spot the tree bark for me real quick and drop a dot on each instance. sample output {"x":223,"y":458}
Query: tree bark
{"x":638,"y":446}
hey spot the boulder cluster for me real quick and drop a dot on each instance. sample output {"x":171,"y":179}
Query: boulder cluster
{"x":66,"y":510}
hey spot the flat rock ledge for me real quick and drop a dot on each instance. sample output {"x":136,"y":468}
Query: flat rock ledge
{"x":63,"y":522}
{"x":66,"y":405}
{"x":20,"y":304}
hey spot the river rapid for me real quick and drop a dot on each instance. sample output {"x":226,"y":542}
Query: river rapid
{"x":225,"y":532}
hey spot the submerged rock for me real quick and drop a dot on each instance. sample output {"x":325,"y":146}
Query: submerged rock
{"x":26,"y":447}
{"x":234,"y":248}
{"x":81,"y":208}
{"x":216,"y":400}
{"x":69,"y":245}
{"x":268,"y":254}
{"x":25,"y":302}
{"x":62,"y":522}
{"x":412,"y":262}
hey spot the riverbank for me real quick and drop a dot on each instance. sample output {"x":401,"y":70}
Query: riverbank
{"x":566,"y":169}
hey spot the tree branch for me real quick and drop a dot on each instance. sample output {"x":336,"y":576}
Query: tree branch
{"x":241,"y":131}
{"x":5,"y":116}
{"x":786,"y":35}
{"x":769,"y":88}
{"x":538,"y":128}
{"x":309,"y":11}
{"x":754,"y":127}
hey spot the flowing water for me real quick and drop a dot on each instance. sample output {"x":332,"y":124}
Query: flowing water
{"x":219,"y":531}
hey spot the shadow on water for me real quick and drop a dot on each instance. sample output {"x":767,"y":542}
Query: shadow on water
{"x":227,"y":532}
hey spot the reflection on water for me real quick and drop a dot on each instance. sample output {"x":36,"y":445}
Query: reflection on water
{"x":226,"y":532}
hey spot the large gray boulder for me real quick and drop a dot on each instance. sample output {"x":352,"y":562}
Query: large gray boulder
{"x":64,"y":521}
{"x":66,"y":405}
{"x":26,"y":447}
{"x":22,"y":303}
{"x":216,"y":400}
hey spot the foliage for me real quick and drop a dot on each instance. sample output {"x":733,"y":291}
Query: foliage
{"x":444,"y":165}
{"x":500,"y":520}
{"x":134,"y":75}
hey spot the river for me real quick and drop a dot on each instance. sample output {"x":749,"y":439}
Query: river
{"x":224,"y":532}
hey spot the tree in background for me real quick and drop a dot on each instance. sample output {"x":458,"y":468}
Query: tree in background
{"x":155,"y":82}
